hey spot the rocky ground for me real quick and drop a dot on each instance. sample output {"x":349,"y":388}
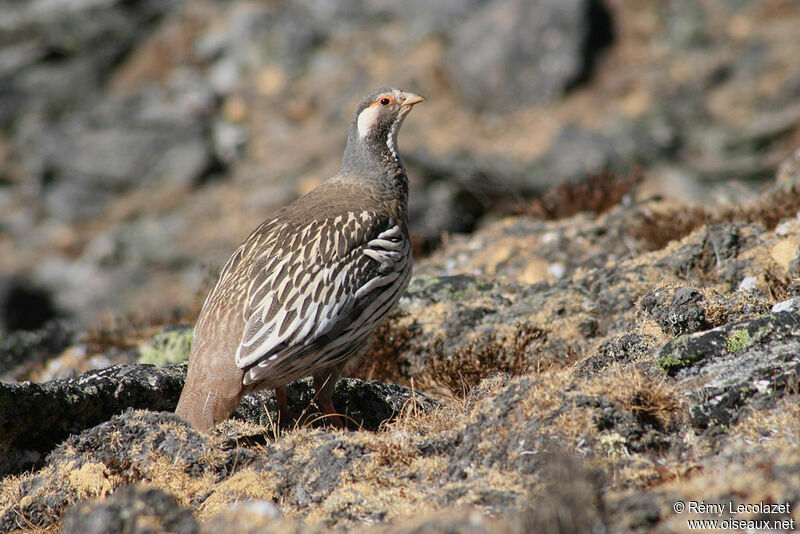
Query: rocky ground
{"x":568,"y":358}
{"x":139,"y":142}
{"x":589,"y":397}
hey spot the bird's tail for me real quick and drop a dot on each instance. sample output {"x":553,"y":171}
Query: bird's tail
{"x":211,"y":393}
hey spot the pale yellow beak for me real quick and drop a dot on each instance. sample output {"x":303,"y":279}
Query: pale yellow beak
{"x":412,"y":99}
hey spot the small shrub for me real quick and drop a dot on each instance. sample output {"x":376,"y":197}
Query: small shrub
{"x":597,"y":194}
{"x":461,"y":370}
{"x":385,"y":358}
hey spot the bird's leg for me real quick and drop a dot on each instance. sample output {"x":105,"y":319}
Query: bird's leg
{"x":324,"y":384}
{"x":283,"y":405}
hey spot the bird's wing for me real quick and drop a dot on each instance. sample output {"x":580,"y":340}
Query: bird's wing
{"x":319,"y":285}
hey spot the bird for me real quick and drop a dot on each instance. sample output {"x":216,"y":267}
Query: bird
{"x":304,"y":291}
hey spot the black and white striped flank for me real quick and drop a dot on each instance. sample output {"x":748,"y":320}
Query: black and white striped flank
{"x":317,"y":292}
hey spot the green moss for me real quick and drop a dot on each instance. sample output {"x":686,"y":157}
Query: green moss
{"x":677,"y":354}
{"x":170,"y":346}
{"x":671,"y":361}
{"x":738,"y":340}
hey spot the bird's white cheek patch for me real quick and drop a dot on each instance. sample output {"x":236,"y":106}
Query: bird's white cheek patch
{"x":367,"y":120}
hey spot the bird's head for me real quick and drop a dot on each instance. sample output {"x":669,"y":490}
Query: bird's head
{"x":373,"y":130}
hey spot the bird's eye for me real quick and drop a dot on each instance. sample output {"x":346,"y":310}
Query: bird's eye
{"x":385,"y":101}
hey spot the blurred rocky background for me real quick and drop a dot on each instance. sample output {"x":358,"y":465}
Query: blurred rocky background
{"x":603,"y":315}
{"x":141,"y":141}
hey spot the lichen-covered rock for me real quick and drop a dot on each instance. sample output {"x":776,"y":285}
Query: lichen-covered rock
{"x":717,"y":252}
{"x":494,"y":460}
{"x":624,"y":349}
{"x":750,"y":362}
{"x":696,"y":350}
{"x":35,"y":417}
{"x":682,"y":315}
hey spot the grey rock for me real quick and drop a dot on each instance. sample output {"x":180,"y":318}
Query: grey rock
{"x":145,"y":241}
{"x":515,"y":52}
{"x":113,"y":265}
{"x":686,"y":23}
{"x":35,"y":417}
{"x":133,"y":509}
{"x":81,"y":288}
{"x":285,"y":34}
{"x":85,"y":160}
{"x":79,"y":146}
{"x":619,"y":350}
{"x":578,"y":152}
{"x":717,"y":253}
{"x":451,"y":193}
{"x":57,"y":54}
{"x":682,"y":314}
{"x":426,"y":18}
{"x":792,"y":305}
{"x":27,"y":348}
{"x":722,"y":153}
{"x":229,"y":141}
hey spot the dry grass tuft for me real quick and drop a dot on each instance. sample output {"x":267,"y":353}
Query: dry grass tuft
{"x":769,"y":209}
{"x":656,"y":230}
{"x":462,"y":370}
{"x":781,"y":287}
{"x":597,"y":193}
{"x":392,"y":452}
{"x":100,"y":340}
{"x":412,"y":421}
{"x":650,"y":400}
{"x":777,"y":428}
{"x":385,"y":359}
{"x":12,"y":500}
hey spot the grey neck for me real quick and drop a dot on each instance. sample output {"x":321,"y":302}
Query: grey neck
{"x":374,"y":162}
